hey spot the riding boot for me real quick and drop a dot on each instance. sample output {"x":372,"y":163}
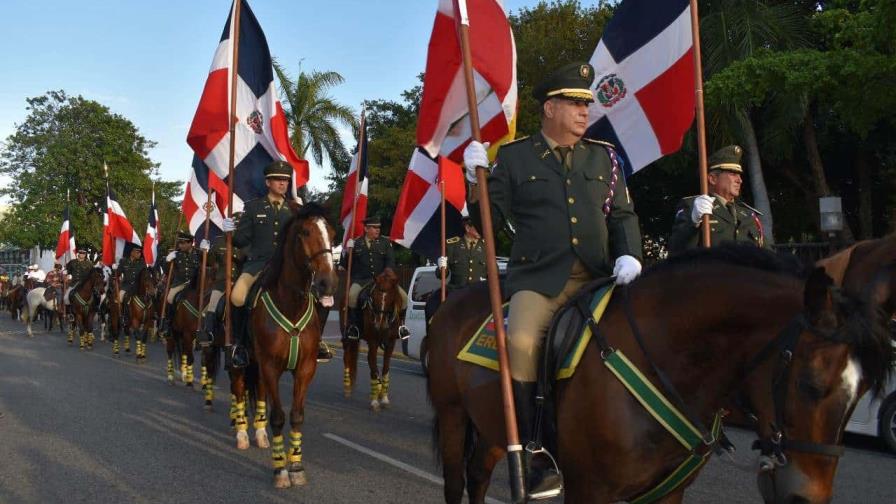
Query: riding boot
{"x":207,"y":332}
{"x":237,"y":356}
{"x":165,"y":323}
{"x":324,"y":354}
{"x":353,"y":327}
{"x":403,"y":331}
{"x":543,"y":479}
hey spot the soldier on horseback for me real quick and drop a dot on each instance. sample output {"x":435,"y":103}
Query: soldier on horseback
{"x":372,"y":254}
{"x":212,"y":312}
{"x":77,"y":270}
{"x":54,"y":283}
{"x":574,"y":222}
{"x":258,"y":231}
{"x":127,"y":270}
{"x":186,"y":265}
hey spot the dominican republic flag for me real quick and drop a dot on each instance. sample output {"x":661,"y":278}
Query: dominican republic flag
{"x":117,"y":231}
{"x":65,"y":246}
{"x":443,"y":127}
{"x":262,"y":135}
{"x":355,"y":185}
{"x":644,"y":81}
{"x":152,"y":237}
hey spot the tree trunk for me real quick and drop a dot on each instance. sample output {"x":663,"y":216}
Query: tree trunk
{"x":819,"y":179}
{"x":757,"y":181}
{"x":863,"y":174}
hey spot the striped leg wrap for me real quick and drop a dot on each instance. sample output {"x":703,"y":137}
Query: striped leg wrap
{"x":71,"y":336}
{"x":170,"y":369}
{"x":261,"y":415}
{"x":278,"y":452}
{"x":183,"y":367}
{"x":295,"y":447}
{"x":115,"y":347}
{"x":375,"y":387}
{"x":232,"y":413}
{"x":242,"y":424}
{"x":346,"y":378}
{"x":127,"y":343}
{"x":189,"y":376}
{"x":82,"y":341}
{"x":385,"y":385}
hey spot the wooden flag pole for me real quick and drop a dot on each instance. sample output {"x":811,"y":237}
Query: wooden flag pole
{"x":180,"y":222}
{"x":701,"y":122}
{"x":68,"y":254}
{"x":351,"y":221}
{"x":444,"y":271}
{"x":208,"y":213}
{"x":514,"y":448}
{"x":228,"y":254}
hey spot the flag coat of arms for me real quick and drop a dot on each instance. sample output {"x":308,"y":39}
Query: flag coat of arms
{"x":117,"y":231}
{"x":65,"y":245}
{"x":443,"y":127}
{"x":644,"y":81}
{"x":262,"y":135}
{"x":355,"y":185}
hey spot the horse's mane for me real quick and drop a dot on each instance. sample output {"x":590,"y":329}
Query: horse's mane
{"x":741,"y":255}
{"x":271,"y":274}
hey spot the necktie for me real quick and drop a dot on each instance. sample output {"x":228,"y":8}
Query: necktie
{"x":276,"y":206}
{"x":564,"y":156}
{"x":733,"y":210}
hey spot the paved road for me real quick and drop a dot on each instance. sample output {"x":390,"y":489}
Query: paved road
{"x":86,"y":427}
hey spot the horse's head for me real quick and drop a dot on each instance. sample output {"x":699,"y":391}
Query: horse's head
{"x":387,"y":280}
{"x":822,"y":364}
{"x":310,"y":238}
{"x":147,"y":282}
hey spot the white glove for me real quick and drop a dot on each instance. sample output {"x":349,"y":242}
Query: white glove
{"x":627,"y":268}
{"x":702,"y":206}
{"x":228,"y":225}
{"x":68,"y":277}
{"x":349,"y":243}
{"x":171,"y":255}
{"x":476,"y":154}
{"x":114,"y":266}
{"x":442,"y":262}
{"x":205,"y":245}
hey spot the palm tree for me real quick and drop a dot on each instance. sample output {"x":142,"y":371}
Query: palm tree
{"x":313,"y":116}
{"x":733,"y":30}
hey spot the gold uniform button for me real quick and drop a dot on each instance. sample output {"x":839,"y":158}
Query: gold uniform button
{"x":532,"y":177}
{"x":571,"y":200}
{"x":600,"y":177}
{"x":573,"y":220}
{"x":575,"y":241}
{"x":568,"y":182}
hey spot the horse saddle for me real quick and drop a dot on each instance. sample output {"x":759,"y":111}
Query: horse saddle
{"x":50,"y":293}
{"x":364,"y":295}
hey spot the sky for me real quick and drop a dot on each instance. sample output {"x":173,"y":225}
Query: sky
{"x":148,"y":59}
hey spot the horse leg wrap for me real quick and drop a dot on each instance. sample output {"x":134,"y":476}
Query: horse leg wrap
{"x":295,"y":447}
{"x":71,"y":336}
{"x":242,"y":424}
{"x":189,"y":376}
{"x":232,"y":414}
{"x":375,"y":387}
{"x":82,"y":341}
{"x":115,"y":347}
{"x":261,"y":415}
{"x":127,"y":343}
{"x":209,"y":390}
{"x":183,"y":368}
{"x":170,"y":370}
{"x":346,"y":378}
{"x":278,"y":452}
{"x":385,"y":385}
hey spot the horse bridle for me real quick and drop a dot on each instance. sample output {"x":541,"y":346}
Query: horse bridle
{"x":381,"y":313}
{"x":784,"y":344}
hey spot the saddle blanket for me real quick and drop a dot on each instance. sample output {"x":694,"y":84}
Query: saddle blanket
{"x":482,"y":348}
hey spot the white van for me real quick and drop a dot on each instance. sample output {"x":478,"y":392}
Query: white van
{"x":875,"y":417}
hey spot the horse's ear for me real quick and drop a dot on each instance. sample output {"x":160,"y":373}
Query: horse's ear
{"x":817,"y":298}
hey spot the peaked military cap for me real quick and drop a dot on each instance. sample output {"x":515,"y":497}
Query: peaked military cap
{"x":184,"y":236}
{"x":727,"y":159}
{"x":278,"y":169}
{"x":572,"y":81}
{"x":136,"y":246}
{"x":372,"y":221}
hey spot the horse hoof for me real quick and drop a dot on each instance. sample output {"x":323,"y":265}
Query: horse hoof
{"x":281,"y":479}
{"x":384,"y":401}
{"x":261,"y":438}
{"x":298,"y":478}
{"x":170,"y":379}
{"x":208,"y":407}
{"x":375,"y":406}
{"x":242,"y":440}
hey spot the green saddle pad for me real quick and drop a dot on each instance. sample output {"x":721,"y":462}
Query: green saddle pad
{"x":482,"y":348}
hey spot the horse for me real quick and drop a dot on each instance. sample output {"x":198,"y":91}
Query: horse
{"x":285,"y":327}
{"x":380,"y":330}
{"x":860,"y":268}
{"x":184,"y":324}
{"x":34,"y":302}
{"x":799,"y":353}
{"x":140,"y":311}
{"x":14,"y":300}
{"x":111,"y":316}
{"x":83,"y":301}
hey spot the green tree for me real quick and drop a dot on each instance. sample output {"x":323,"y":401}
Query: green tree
{"x":313,"y":116}
{"x":60,"y":148}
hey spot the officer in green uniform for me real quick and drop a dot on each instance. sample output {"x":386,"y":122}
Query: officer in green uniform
{"x":127,"y":270}
{"x":730,"y":219}
{"x":372,"y":254}
{"x":574,"y":221}
{"x":77,"y":270}
{"x":218,"y":249}
{"x":186,"y":265}
{"x":464,"y":259}
{"x":258,"y":231}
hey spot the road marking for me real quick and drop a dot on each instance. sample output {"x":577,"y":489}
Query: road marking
{"x":432,"y":478}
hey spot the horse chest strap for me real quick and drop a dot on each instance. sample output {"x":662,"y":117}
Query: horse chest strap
{"x":291,"y":328}
{"x":139,"y":302}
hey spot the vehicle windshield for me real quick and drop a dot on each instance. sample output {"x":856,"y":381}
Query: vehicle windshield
{"x":426,"y":283}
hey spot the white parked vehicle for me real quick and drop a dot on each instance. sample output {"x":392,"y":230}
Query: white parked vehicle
{"x":877,"y":417}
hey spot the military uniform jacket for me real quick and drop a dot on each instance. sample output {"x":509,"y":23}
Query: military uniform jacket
{"x":128,"y":271}
{"x":557,"y":213}
{"x":186,"y":265}
{"x":78,"y":270}
{"x":370,"y":259}
{"x":724,"y":227}
{"x":465,"y":264}
{"x":259,"y":230}
{"x":219,"y":248}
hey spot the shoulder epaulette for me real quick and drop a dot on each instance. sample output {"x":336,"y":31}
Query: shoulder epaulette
{"x":599,"y":142}
{"x":757,"y":212}
{"x":515,"y":141}
{"x":453,"y":240}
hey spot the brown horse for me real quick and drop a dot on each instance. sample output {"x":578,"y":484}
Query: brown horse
{"x":111,"y":319}
{"x":380,"y":315}
{"x":140,"y":311}
{"x":716,"y":322}
{"x":184,"y":324}
{"x":861,"y":270}
{"x":285,"y":327}
{"x":14,"y":301}
{"x":83,"y":302}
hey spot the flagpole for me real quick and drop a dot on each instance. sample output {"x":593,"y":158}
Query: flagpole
{"x":351,"y":221}
{"x":514,"y":449}
{"x":180,"y":223}
{"x":443,"y":271}
{"x":68,"y":253}
{"x":208,"y":213}
{"x":701,"y":122}
{"x":228,"y":255}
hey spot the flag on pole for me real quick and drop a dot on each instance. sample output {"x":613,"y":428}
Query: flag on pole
{"x":262,"y":135}
{"x":644,"y":81}
{"x":117,"y":231}
{"x":152,"y":238}
{"x":355,"y":185}
{"x":443,"y":127}
{"x":65,"y":246}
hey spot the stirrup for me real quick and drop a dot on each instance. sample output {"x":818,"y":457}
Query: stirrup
{"x":533,"y":450}
{"x":403,"y":332}
{"x":324,"y":354}
{"x":352,"y":333}
{"x":236,"y":357}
